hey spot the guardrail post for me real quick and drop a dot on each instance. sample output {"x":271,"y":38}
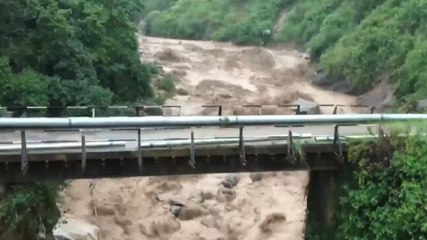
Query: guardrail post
{"x":291,"y":152}
{"x":193,"y":151}
{"x":297,"y":109}
{"x":242,"y":147}
{"x":220,"y":110}
{"x":93,"y":111}
{"x":337,"y":144}
{"x":83,"y":152}
{"x":335,"y":110}
{"x":24,"y":153}
{"x":139,"y":150}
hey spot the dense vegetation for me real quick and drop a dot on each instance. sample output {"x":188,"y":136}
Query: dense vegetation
{"x":240,"y":21}
{"x":365,"y":40}
{"x":75,"y":52}
{"x":386,"y":197}
{"x":57,"y":53}
{"x":355,"y":41}
{"x":28,"y":210}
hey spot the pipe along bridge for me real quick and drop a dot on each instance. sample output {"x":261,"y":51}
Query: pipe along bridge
{"x":36,"y":149}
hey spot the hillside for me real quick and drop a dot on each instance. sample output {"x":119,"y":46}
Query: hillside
{"x":359,"y":42}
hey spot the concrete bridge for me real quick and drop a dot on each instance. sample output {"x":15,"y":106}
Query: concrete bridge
{"x":33,"y":149}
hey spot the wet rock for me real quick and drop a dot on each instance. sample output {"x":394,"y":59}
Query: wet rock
{"x":322,"y":79}
{"x":421,"y":105}
{"x":169,"y":55}
{"x":343,"y":87}
{"x":182,"y":92}
{"x":256,"y":177}
{"x":230,"y":181}
{"x":175,"y":210}
{"x":175,"y":207}
{"x":307,"y":107}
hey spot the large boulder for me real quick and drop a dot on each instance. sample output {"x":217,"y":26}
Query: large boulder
{"x":148,"y":107}
{"x":70,"y":228}
{"x":421,"y":106}
{"x":322,"y":79}
{"x":343,"y":87}
{"x":306,"y":106}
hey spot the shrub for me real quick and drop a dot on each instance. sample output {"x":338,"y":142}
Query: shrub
{"x":387,"y":197}
{"x":24,"y":208}
{"x":167,"y":83}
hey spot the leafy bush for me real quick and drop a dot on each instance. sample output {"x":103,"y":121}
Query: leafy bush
{"x":167,"y":84}
{"x":387,"y":197}
{"x":27,"y":88}
{"x":24,"y":208}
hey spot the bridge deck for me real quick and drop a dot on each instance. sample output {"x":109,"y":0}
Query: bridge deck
{"x":265,"y":149}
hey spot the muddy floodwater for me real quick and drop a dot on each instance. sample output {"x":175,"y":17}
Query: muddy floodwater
{"x":263,"y":206}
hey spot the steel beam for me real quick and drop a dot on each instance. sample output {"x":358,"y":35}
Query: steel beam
{"x":200,"y":121}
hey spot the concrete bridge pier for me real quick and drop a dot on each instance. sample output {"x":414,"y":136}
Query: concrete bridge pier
{"x":2,"y":187}
{"x":322,"y":198}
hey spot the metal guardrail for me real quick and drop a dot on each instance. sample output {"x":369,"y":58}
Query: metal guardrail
{"x":199,"y":121}
{"x":137,"y":123}
{"x":143,"y":110}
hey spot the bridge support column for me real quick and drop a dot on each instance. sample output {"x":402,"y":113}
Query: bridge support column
{"x":2,"y":187}
{"x":322,"y":198}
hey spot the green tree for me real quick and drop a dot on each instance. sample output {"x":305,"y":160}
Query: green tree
{"x":27,"y":88}
{"x":79,"y":45}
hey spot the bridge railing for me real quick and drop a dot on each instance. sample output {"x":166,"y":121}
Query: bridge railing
{"x":23,"y":124}
{"x":177,"y":110}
